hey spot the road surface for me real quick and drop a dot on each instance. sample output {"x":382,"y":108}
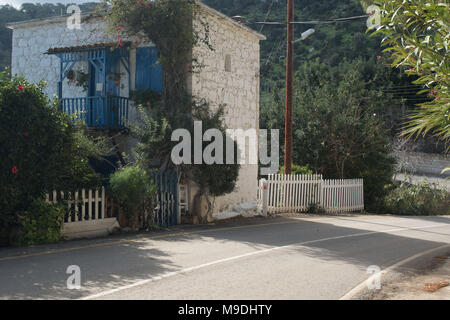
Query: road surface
{"x":280,"y":258}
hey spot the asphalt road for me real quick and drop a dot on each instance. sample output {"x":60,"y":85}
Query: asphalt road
{"x":282,"y":258}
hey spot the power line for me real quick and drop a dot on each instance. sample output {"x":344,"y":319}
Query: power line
{"x":406,"y":86}
{"x":312,"y":22}
{"x":267,"y":15}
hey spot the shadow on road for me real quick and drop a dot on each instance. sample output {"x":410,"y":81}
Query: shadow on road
{"x":122,"y":261}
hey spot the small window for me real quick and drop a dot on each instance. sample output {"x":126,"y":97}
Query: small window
{"x":228,"y":63}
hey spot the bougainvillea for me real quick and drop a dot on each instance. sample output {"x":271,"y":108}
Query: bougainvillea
{"x":40,"y":151}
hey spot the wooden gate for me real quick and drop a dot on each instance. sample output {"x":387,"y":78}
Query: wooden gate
{"x":167,"y":213}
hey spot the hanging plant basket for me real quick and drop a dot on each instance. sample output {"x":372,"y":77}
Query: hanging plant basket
{"x":117,"y":79}
{"x":71,"y":75}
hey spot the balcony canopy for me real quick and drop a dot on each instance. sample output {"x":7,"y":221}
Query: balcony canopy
{"x":103,"y":107}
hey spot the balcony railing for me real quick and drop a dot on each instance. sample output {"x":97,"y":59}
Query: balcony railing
{"x":98,"y":112}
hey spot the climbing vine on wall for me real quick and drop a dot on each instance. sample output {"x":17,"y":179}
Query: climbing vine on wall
{"x":168,"y":24}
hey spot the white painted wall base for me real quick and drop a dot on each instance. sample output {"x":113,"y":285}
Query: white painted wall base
{"x":89,"y":229}
{"x":247,"y":209}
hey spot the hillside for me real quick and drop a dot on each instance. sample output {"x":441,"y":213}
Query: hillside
{"x":330,"y":45}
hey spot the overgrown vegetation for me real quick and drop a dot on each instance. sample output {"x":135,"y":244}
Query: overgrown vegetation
{"x":296,"y":169}
{"x":417,"y":38}
{"x":422,"y":199}
{"x":43,"y":150}
{"x":40,"y":223}
{"x":338,"y":129}
{"x":168,"y":25}
{"x":135,"y":190}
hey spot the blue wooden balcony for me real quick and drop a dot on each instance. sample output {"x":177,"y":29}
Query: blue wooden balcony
{"x":109,"y":112}
{"x":109,"y":80}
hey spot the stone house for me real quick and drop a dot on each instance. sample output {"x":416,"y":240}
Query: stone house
{"x":90,"y":78}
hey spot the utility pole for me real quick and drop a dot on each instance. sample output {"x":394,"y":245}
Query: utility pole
{"x":289,"y":88}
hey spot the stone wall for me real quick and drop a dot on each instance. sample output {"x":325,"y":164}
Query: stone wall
{"x":235,"y":83}
{"x":32,"y":40}
{"x":423,"y":163}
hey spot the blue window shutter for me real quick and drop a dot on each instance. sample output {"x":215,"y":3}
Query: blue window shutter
{"x":148,"y":70}
{"x":142,"y":68}
{"x":113,"y":67}
{"x":156,"y":81}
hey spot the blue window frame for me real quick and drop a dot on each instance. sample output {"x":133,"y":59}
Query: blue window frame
{"x":149,"y":73}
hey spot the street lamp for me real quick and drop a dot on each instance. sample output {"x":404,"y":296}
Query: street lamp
{"x":305,"y":35}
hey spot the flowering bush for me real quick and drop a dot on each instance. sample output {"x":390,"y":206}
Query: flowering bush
{"x":40,"y":149}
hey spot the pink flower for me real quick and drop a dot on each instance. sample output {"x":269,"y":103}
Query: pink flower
{"x":378,"y":57}
{"x":118,"y":28}
{"x":148,"y":103}
{"x":14,"y":170}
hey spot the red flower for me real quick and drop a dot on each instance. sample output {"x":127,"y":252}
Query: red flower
{"x":14,"y":170}
{"x":378,"y":57}
{"x":25,"y":134}
{"x":148,"y":103}
{"x":118,"y":28}
{"x":20,"y":88}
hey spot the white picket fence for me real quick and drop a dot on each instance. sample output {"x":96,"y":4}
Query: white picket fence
{"x":83,"y":205}
{"x":297,"y":193}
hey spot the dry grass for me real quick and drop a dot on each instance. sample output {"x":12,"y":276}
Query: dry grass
{"x":435,"y":286}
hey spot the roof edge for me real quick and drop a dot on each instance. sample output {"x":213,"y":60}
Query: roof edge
{"x":230,"y":20}
{"x":57,"y":19}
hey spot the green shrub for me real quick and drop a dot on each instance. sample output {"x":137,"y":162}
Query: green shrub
{"x":133,"y":188}
{"x":41,"y":146}
{"x":316,"y":208}
{"x":296,"y":169}
{"x":41,"y":223}
{"x":421,"y":199}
